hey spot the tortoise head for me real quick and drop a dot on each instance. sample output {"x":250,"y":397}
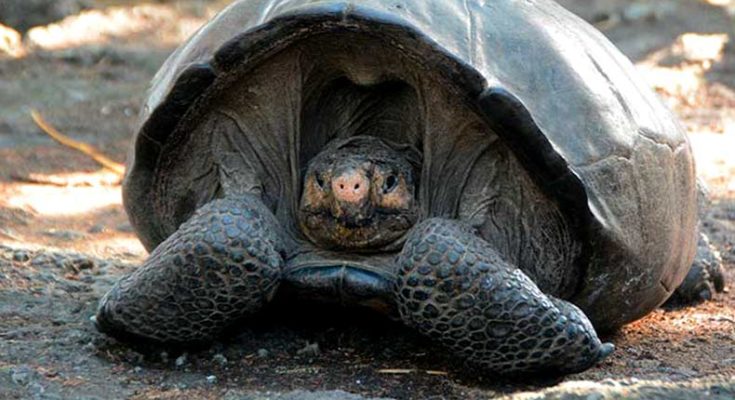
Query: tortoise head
{"x":359,"y":194}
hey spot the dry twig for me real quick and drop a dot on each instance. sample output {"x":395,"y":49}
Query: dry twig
{"x":400,"y":371}
{"x":77,"y":145}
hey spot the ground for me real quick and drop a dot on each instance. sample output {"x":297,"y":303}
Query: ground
{"x":87,"y":74}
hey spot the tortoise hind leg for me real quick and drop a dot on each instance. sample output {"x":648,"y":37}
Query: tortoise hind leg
{"x":454,"y":287}
{"x":706,"y":276}
{"x":221,"y":265}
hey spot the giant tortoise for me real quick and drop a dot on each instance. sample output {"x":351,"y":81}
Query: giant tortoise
{"x":494,"y":173}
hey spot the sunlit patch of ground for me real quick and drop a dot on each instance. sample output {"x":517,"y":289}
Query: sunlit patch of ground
{"x":715,"y":154}
{"x":10,"y":42}
{"x":679,"y":73}
{"x":87,"y":219}
{"x":142,"y":24}
{"x":164,"y":24}
{"x":54,"y":201}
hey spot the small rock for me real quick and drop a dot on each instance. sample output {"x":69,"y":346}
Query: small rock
{"x":648,"y":11}
{"x":311,"y":349}
{"x":211,"y":379}
{"x":98,"y":228}
{"x":21,"y":256}
{"x":46,"y":277}
{"x":181,"y":360}
{"x":645,"y":364}
{"x":73,"y":287}
{"x":42,"y":259}
{"x":82,"y":263}
{"x":126,"y":228}
{"x":220,"y":359}
{"x":64,"y":234}
{"x":89,"y":346}
{"x":21,"y":375}
{"x":263,"y":353}
{"x":688,"y":372}
{"x":37,"y":389}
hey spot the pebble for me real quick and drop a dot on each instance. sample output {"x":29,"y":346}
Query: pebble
{"x":220,"y":359}
{"x":645,"y":364}
{"x":311,"y":349}
{"x":181,"y":360}
{"x":73,"y":287}
{"x":46,"y":277}
{"x":37,"y":389}
{"x":21,"y":375}
{"x":98,"y":228}
{"x":21,"y":256}
{"x":125,"y":227}
{"x":64,"y":234}
{"x":83,"y":263}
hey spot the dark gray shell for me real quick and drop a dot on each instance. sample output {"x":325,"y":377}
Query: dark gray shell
{"x":567,"y":103}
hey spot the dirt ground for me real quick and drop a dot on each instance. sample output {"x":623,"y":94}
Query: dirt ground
{"x":87,"y":74}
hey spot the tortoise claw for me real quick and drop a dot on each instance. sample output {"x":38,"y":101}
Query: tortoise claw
{"x":705,"y":278}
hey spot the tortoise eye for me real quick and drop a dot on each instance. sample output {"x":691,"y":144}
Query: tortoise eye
{"x":319,"y":180}
{"x":390,"y":184}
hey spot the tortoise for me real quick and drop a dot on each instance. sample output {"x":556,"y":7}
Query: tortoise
{"x":493,"y":173}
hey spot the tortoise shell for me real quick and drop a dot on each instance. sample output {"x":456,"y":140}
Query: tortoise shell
{"x":258,"y":91}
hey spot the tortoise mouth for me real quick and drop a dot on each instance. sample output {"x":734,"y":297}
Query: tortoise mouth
{"x":372,"y":233}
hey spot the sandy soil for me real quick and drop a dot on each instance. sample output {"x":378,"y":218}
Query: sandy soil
{"x":88,"y":73}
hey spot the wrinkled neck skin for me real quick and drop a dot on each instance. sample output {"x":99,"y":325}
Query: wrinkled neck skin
{"x":359,"y":196}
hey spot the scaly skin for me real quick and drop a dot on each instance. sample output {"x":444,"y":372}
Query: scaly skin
{"x":455,"y":288}
{"x":221,"y":265}
{"x":225,"y":263}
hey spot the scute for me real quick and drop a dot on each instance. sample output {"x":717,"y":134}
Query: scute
{"x":595,"y":137}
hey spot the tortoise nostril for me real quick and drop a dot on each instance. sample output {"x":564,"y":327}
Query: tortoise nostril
{"x":351,"y":186}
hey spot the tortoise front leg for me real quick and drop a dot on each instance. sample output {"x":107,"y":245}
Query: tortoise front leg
{"x":455,"y":288}
{"x":221,"y":265}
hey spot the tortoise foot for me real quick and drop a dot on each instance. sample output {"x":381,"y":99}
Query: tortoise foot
{"x":221,"y":265}
{"x":455,"y":288}
{"x":705,"y":278}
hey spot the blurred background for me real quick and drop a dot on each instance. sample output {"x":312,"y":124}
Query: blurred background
{"x":85,"y":66}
